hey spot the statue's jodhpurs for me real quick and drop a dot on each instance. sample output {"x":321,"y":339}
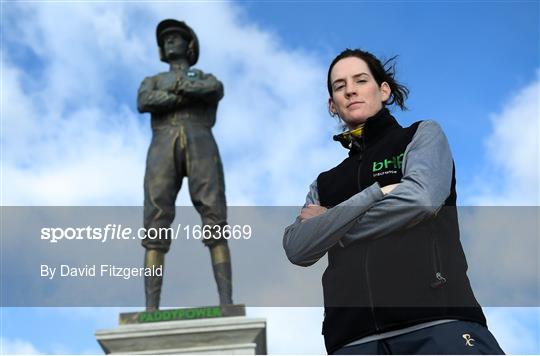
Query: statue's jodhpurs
{"x":183,"y":105}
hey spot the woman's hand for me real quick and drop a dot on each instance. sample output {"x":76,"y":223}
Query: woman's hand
{"x":311,"y":211}
{"x":388,"y":188}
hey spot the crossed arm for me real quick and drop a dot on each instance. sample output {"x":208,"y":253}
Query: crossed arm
{"x":207,"y":88}
{"x":152,"y":99}
{"x":427,"y":175}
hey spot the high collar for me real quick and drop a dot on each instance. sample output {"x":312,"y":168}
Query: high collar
{"x":375,"y":127}
{"x":378,"y":125}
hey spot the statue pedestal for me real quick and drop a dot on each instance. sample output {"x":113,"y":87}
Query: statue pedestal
{"x":234,"y":335}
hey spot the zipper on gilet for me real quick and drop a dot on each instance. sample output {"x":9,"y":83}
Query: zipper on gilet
{"x":360,"y":144}
{"x":439,"y":280}
{"x":370,"y":295}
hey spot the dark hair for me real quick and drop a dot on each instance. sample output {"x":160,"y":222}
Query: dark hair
{"x":381,"y":73}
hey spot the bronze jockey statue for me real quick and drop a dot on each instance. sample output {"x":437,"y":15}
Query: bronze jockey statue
{"x":183,"y":104}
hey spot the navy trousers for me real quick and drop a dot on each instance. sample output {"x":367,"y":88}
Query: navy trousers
{"x":456,"y":338}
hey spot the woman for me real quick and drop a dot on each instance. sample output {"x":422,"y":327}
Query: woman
{"x":396,"y":279}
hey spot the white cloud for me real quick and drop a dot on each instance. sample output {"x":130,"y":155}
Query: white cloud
{"x":71,"y":136}
{"x":17,"y":346}
{"x":63,"y":140}
{"x":511,"y":176}
{"x":292,"y":330}
{"x":106,"y":317}
{"x":516,"y":329}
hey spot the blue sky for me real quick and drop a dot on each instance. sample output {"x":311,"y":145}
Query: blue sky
{"x":70,"y":72}
{"x":460,"y":59}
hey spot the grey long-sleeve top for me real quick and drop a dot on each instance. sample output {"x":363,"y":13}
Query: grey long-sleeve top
{"x":427,"y":175}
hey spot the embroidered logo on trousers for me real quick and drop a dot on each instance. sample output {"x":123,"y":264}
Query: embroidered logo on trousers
{"x":468,"y":340}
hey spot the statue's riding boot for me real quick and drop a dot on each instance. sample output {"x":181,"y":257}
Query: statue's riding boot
{"x":221,"y":263}
{"x":152,"y":284}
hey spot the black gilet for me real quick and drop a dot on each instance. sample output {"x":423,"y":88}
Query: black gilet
{"x":407,"y":277}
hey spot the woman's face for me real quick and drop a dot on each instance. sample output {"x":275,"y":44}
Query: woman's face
{"x":356,"y":96}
